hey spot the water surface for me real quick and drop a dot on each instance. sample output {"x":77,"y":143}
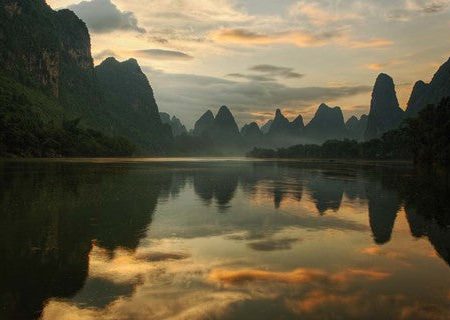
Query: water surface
{"x":216,"y":239}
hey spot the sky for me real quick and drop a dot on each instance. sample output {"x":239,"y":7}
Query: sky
{"x":258,"y":55}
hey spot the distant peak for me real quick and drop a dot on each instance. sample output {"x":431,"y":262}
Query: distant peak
{"x":224,"y":108}
{"x":324,"y":106}
{"x":110,"y":60}
{"x":383,"y":77}
{"x":279,"y":115}
{"x":132,"y":61}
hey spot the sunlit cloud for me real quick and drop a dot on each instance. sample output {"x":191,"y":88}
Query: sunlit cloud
{"x":370,"y":43}
{"x":297,"y":276}
{"x":125,"y":266}
{"x":297,"y":38}
{"x":318,"y":299}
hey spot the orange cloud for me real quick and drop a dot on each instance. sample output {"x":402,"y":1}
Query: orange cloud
{"x":371,"y":275}
{"x":297,"y":276}
{"x":377,"y":251}
{"x":298,"y":38}
{"x":319,"y":298}
{"x":246,"y":275}
{"x":370,"y":43}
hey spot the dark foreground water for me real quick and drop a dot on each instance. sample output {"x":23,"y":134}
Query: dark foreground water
{"x":221,"y":240}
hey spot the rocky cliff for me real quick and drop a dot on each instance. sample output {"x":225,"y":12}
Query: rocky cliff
{"x":385,"y":112}
{"x":47,"y":71}
{"x":424,"y":94}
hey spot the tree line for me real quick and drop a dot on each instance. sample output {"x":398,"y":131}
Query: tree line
{"x":424,"y":140}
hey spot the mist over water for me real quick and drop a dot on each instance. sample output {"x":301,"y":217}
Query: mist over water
{"x":221,"y":239}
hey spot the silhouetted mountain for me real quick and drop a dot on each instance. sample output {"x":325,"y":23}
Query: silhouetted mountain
{"x":204,"y":124}
{"x":224,"y":127}
{"x":131,"y":104}
{"x":252,"y":135}
{"x":385,"y":112}
{"x":266,"y":127}
{"x":424,"y":94}
{"x":251,"y":131}
{"x":383,"y":208}
{"x":357,"y":127}
{"x":175,"y":124}
{"x":328,"y":123}
{"x":298,"y":125}
{"x":280,"y":125}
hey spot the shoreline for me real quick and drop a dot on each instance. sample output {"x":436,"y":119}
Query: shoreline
{"x":333,"y":161}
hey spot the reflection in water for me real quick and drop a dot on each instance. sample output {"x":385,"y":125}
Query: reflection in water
{"x":97,"y":241}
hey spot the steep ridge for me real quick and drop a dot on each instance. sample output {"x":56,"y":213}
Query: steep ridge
{"x":131,"y":105}
{"x":424,"y":94}
{"x":385,"y":112}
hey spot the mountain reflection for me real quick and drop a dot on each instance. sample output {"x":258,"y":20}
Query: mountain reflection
{"x":57,"y":219}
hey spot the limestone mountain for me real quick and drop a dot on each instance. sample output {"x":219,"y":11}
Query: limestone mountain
{"x":298,"y":125}
{"x":49,"y":50}
{"x":175,"y":124}
{"x":266,"y":127}
{"x":130,"y":102}
{"x":385,"y":112}
{"x":224,"y":126}
{"x":357,"y":127}
{"x":424,"y":94}
{"x":328,"y":123}
{"x":204,"y":124}
{"x":280,"y":125}
{"x":251,"y":130}
{"x":49,"y":87}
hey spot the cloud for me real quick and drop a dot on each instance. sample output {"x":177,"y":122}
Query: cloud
{"x":266,"y":72}
{"x":383,"y":65}
{"x":369,"y":43}
{"x":318,"y":15}
{"x":318,"y":298}
{"x":273,"y":245}
{"x":160,"y":54}
{"x":103,"y":16}
{"x":298,"y":38}
{"x":414,"y":8}
{"x":297,"y":276}
{"x":251,"y":77}
{"x":126,"y":266}
{"x":272,"y":70}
